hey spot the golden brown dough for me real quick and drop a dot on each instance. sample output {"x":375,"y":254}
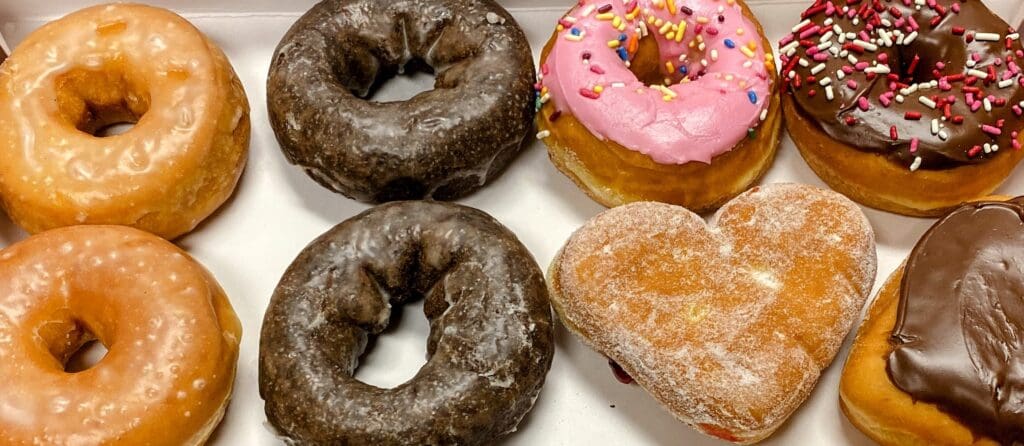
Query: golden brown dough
{"x":110,"y":64}
{"x":170,"y":330}
{"x":874,"y":404}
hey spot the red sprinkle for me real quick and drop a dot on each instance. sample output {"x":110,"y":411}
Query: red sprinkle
{"x":912,"y":116}
{"x":894,"y":134}
{"x":588,"y":93}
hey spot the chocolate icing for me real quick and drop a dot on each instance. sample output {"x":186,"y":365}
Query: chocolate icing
{"x":441,"y":144}
{"x":870,"y":131}
{"x":959,"y":336}
{"x":490,"y":345}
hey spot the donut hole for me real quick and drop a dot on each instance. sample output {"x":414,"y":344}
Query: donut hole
{"x":86,"y":357}
{"x":75,"y":347}
{"x":646,"y":65}
{"x":401,"y":83}
{"x":398,"y":353}
{"x":101,"y":103}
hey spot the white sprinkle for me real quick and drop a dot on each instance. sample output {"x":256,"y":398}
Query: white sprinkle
{"x":978,"y":73}
{"x":819,"y":68}
{"x":825,"y":82}
{"x":803,"y":62}
{"x":829,"y":93}
{"x":801,"y":25}
{"x":866,"y":45}
{"x":927,"y":102}
{"x":792,"y":46}
{"x":900,"y":98}
{"x":987,"y":37}
{"x":714,"y":55}
{"x":1014,"y":36}
{"x":543,"y":134}
{"x":935,"y":126}
{"x":916,"y":164}
{"x":589,"y":9}
{"x":988,"y":148}
{"x":987,"y":104}
{"x":879,"y":69}
{"x":840,"y":74}
{"x":618,"y":84}
{"x":853,"y":59}
{"x":910,"y":38}
{"x":764,"y":114}
{"x":1005,"y":83}
{"x":827,"y":37}
{"x":943,"y":135}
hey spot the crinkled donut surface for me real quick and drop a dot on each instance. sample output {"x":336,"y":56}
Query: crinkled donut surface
{"x":489,"y":349}
{"x":442,"y":143}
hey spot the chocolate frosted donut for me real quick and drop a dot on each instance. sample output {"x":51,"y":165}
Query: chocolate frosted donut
{"x":489,"y":349}
{"x":961,"y":319}
{"x":931,"y":87}
{"x":443,"y":143}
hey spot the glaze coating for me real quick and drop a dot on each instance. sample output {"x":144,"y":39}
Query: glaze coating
{"x":115,"y":64}
{"x":489,"y":349}
{"x":441,"y":144}
{"x":171,"y":334}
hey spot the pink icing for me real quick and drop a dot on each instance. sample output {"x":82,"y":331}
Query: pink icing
{"x":697,"y":116}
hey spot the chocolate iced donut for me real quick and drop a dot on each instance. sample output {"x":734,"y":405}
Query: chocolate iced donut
{"x":910,"y":107}
{"x":489,"y":349}
{"x":961,"y":319}
{"x":441,"y":144}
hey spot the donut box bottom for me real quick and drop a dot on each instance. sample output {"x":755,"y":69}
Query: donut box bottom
{"x":277,"y":210}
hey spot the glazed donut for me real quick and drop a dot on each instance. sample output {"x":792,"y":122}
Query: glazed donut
{"x":489,"y":349}
{"x":907,"y":108}
{"x":950,"y":318}
{"x":170,"y":330}
{"x":660,"y":100}
{"x":441,"y":144}
{"x":728,"y":326}
{"x":119,"y":63}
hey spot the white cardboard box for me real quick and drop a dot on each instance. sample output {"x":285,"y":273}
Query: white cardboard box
{"x":277,"y":210}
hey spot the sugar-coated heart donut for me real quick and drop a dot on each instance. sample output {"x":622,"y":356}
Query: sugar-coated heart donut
{"x":171,"y":334}
{"x":939,"y":360}
{"x":113,"y":64}
{"x":729,"y":325}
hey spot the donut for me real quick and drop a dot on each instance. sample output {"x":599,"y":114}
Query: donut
{"x":442,"y":143}
{"x":937,"y":360}
{"x":112,"y":64}
{"x":730,"y":325}
{"x":171,"y":334}
{"x":659,"y":100}
{"x":908,"y":108}
{"x":490,"y":345}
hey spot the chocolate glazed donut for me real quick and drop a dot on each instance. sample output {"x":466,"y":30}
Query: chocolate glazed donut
{"x":441,"y":144}
{"x":489,"y":349}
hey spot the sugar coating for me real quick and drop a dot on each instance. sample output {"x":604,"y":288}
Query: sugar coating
{"x":490,"y":344}
{"x":730,"y":324}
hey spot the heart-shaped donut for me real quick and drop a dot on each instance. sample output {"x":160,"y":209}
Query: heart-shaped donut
{"x":727,"y":325}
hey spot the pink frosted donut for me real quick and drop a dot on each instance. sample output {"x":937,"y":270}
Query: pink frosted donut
{"x":713,"y":87}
